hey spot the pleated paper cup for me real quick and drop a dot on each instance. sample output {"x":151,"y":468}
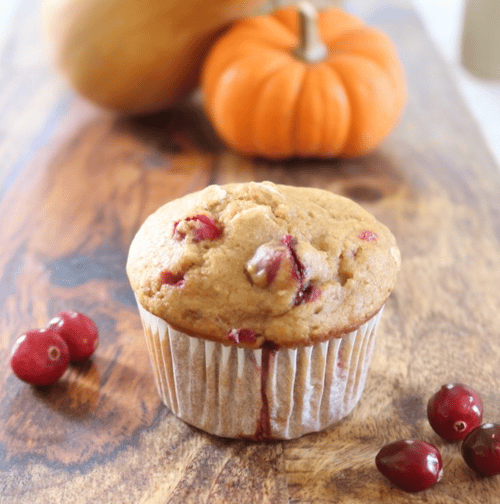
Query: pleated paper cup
{"x":258,"y":394}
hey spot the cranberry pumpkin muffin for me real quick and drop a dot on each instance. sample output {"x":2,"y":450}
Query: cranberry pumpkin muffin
{"x":259,"y":303}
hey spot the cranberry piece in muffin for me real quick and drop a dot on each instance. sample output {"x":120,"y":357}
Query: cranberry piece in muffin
{"x":271,"y":266}
{"x":243,"y":335}
{"x":175,"y":279}
{"x":299,"y":269}
{"x":277,"y":265}
{"x":306,"y":294}
{"x":200,"y":227}
{"x":368,"y":235}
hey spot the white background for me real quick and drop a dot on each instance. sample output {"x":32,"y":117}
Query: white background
{"x":443,"y":20}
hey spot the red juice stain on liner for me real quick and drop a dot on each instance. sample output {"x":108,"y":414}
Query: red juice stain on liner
{"x":268,"y":349}
{"x":263,"y":432}
{"x":247,"y":335}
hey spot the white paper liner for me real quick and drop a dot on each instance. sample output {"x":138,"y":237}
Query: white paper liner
{"x":259,"y":394}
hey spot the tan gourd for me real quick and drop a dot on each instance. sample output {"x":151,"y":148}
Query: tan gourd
{"x":135,"y":56}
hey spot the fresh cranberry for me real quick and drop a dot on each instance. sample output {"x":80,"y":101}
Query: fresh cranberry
{"x":454,"y":410}
{"x":201,"y":227}
{"x":481,"y":449}
{"x":170,"y":278}
{"x":78,"y":331}
{"x":410,"y":464}
{"x":39,"y":357}
{"x":242,"y":335}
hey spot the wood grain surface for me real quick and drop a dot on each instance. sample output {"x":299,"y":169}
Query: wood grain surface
{"x":75,"y":185}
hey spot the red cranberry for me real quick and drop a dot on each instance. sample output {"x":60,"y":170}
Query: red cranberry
{"x":242,"y":335}
{"x":265,"y":265}
{"x":39,"y":357}
{"x":454,"y":410}
{"x":272,"y":267}
{"x":306,"y":294}
{"x":299,"y":270}
{"x":170,"y":278}
{"x":78,"y":331}
{"x":481,"y":449}
{"x":277,"y":264}
{"x":410,"y":464}
{"x":201,"y":227}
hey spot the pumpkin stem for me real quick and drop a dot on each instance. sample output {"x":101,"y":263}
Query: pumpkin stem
{"x":311,"y":48}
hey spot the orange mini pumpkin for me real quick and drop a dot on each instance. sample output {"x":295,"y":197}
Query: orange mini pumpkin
{"x":298,"y":83}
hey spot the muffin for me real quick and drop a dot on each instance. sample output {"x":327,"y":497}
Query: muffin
{"x":259,"y":304}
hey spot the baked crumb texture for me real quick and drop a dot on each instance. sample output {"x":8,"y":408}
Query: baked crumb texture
{"x":259,"y":264}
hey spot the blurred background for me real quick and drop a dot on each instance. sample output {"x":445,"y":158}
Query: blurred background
{"x":444,"y":21}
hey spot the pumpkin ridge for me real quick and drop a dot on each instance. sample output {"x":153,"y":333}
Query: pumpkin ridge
{"x":228,"y":57}
{"x":295,"y":113}
{"x":239,"y":135}
{"x":324,"y":131}
{"x":378,"y":126}
{"x":332,"y":60}
{"x":316,"y":122}
{"x":350,"y":100}
{"x":231,"y":46}
{"x":237,"y":60}
{"x":381,"y":39}
{"x":325,"y":146}
{"x":257,"y":147}
{"x":362,"y":57}
{"x":264,"y":81}
{"x":236,"y":54}
{"x":329,"y":64}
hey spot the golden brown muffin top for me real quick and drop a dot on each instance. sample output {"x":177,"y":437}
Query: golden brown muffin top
{"x":254,"y":262}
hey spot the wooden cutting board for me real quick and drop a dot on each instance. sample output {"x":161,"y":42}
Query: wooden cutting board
{"x":75,"y":185}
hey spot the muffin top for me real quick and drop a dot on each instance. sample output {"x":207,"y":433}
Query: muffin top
{"x":257,"y":263}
